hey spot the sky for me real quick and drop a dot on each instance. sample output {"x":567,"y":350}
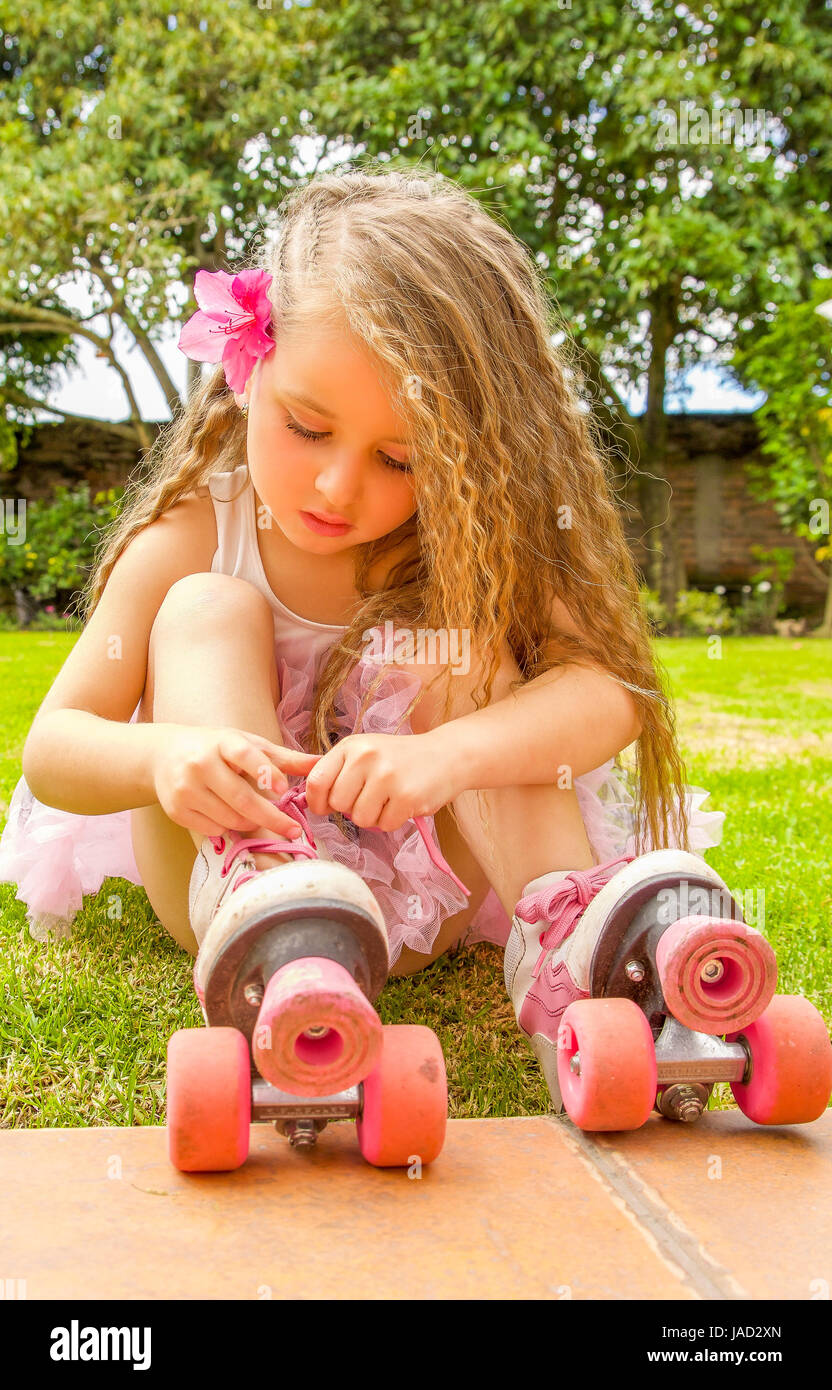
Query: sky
{"x":94,"y":388}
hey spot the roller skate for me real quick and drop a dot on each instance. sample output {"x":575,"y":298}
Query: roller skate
{"x":290,"y":962}
{"x":639,"y":986}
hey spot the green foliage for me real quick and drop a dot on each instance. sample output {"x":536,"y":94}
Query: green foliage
{"x":758,"y":612}
{"x":11,"y":437}
{"x":699,"y":613}
{"x":57,"y":548}
{"x":566,"y":120}
{"x":31,"y":356}
{"x":140,"y":150}
{"x":653,"y":607}
{"x":791,"y":360}
{"x":776,"y":566}
{"x":43,"y":621}
{"x":137,"y":148}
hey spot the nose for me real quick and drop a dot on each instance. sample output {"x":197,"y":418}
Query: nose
{"x":339,"y":481}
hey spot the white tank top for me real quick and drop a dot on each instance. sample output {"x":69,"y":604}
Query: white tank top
{"x":237,"y":553}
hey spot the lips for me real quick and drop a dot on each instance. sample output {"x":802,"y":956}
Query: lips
{"x":314,"y":522}
{"x":330,"y":520}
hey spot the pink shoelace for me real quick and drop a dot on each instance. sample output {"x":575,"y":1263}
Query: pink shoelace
{"x":563,"y":903}
{"x":293,"y":803}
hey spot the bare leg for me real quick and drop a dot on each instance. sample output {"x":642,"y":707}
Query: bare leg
{"x":210,"y":662}
{"x":524,"y":832}
{"x":513,"y":833}
{"x":224,"y":629}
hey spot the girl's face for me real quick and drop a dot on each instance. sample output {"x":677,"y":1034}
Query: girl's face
{"x":338,"y":453}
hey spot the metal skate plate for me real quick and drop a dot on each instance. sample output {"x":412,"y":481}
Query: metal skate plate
{"x":632,"y":930}
{"x":269,"y":1103}
{"x":684,"y":1055}
{"x":269,"y":940}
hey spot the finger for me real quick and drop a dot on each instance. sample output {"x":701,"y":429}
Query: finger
{"x":257,"y":762}
{"x":290,"y":759}
{"x":390,"y":818}
{"x":203,"y":824}
{"x":368,"y":806}
{"x":222,"y":815}
{"x":246,"y":809}
{"x":192,"y":820}
{"x":294,"y":761}
{"x":350,"y":785}
{"x":319,"y":781}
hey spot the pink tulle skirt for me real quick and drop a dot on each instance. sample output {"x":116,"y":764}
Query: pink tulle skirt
{"x":55,"y":857}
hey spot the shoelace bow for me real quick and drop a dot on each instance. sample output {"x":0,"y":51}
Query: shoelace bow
{"x":562,"y":904}
{"x":293,"y":803}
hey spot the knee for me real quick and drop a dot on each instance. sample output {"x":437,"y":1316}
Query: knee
{"x":217,"y":594}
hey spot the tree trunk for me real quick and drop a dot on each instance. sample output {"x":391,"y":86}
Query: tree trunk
{"x":24,"y":607}
{"x":825,"y":629}
{"x":663,"y":569}
{"x":193,"y":377}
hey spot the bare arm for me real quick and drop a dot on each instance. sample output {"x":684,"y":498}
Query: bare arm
{"x":571,"y":718}
{"x":79,"y":762}
{"x":81,"y":754}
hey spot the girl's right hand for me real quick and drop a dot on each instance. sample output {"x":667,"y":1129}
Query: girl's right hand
{"x":201,"y":779}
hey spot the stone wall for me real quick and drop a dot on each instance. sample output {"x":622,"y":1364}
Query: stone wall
{"x":69,"y":454}
{"x":717,"y":517}
{"x":718,"y":520}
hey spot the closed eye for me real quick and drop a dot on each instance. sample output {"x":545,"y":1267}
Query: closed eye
{"x":312,"y":434}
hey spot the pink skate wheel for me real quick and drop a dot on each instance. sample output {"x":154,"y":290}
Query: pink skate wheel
{"x":606,"y":1064}
{"x":209,"y":1099}
{"x":791,"y":1064}
{"x":316,"y":1032}
{"x":405,"y":1105}
{"x":716,"y":973}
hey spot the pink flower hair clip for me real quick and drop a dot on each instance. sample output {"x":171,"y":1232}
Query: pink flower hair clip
{"x":231,"y":324}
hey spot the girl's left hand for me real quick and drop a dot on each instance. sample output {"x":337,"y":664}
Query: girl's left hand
{"x":381,"y":780}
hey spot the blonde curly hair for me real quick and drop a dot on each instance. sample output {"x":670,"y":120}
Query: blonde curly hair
{"x":504,"y":452}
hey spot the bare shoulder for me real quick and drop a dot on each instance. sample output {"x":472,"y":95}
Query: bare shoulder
{"x":562,"y":617}
{"x":191,"y":524}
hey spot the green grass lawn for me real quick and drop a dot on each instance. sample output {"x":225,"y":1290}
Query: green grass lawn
{"x":85,"y":1021}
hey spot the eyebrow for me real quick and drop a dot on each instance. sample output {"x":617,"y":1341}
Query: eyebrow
{"x":321,"y":410}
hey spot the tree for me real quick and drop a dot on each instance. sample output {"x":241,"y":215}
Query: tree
{"x":792,"y":362}
{"x":665,"y":166}
{"x":136,"y":152}
{"x":137,"y":147}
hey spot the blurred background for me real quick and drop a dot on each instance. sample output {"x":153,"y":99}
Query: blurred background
{"x":667,"y":164}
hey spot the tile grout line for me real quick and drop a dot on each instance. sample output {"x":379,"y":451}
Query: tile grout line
{"x":664,"y":1232}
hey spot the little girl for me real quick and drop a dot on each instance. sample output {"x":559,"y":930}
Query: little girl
{"x":385,"y":514}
